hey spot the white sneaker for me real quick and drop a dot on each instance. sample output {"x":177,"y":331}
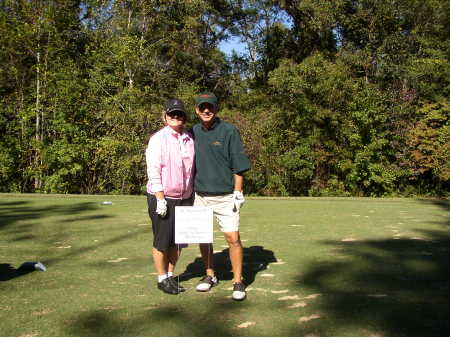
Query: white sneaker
{"x":206,"y":283}
{"x":40,"y":266}
{"x":239,"y":293}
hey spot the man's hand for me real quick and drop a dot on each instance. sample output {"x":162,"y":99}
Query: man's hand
{"x":161,"y":207}
{"x":238,"y":199}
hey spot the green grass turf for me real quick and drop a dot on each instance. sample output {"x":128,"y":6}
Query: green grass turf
{"x":317,"y":267}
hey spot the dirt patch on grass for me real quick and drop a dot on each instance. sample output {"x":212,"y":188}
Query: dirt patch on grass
{"x":42,"y":312}
{"x":312,"y":296}
{"x":151,"y":307}
{"x":261,"y":289}
{"x":287,"y":298}
{"x":246,"y":324}
{"x":33,"y":334}
{"x":308,"y":318}
{"x":112,"y":308}
{"x":120,"y":259}
{"x":298,"y":305}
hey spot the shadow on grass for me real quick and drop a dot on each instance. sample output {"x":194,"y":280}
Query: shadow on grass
{"x":12,"y":212}
{"x":256,"y":259}
{"x":167,"y":320}
{"x":180,"y":320}
{"x":396,"y":287}
{"x":19,"y":221}
{"x":92,"y":247}
{"x":8,"y":272}
{"x":444,"y":204}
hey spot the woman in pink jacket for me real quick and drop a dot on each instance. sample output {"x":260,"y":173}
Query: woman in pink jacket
{"x":170,"y":169}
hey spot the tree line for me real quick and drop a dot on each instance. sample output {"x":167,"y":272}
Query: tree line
{"x":332,"y":98}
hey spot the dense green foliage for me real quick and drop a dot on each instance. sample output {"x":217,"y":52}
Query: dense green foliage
{"x":346,"y":97}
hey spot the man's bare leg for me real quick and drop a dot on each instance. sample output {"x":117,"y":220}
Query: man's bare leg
{"x":206,"y":249}
{"x":236,"y":254}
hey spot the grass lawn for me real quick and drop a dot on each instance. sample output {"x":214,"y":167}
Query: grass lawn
{"x":316,"y":267}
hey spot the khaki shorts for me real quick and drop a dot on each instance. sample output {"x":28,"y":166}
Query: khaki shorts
{"x":223,"y":209}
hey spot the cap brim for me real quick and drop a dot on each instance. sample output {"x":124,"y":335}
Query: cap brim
{"x":206,"y":101}
{"x":175,"y":109}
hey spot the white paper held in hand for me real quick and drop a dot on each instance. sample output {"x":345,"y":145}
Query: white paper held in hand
{"x":193,"y":224}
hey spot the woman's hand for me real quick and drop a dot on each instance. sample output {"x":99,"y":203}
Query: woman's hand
{"x":161,"y":207}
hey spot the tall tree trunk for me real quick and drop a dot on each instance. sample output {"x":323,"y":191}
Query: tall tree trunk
{"x":37,"y":159}
{"x":128,"y":67}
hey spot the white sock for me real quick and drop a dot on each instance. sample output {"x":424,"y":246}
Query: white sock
{"x":169,"y":274}
{"x":162,"y":277}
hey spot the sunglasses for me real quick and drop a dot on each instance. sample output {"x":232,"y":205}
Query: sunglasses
{"x":176,"y":114}
{"x":205,"y":106}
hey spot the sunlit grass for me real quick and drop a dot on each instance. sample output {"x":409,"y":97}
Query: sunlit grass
{"x":317,"y":267}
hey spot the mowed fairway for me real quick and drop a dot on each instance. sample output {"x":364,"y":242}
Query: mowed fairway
{"x":317,"y":267}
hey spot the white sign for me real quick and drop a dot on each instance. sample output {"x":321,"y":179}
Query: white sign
{"x":193,"y":224}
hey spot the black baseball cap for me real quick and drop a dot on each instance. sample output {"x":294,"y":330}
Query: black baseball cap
{"x":174,"y":104}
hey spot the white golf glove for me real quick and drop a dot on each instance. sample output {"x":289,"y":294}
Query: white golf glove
{"x":238,"y":198}
{"x":161,"y":207}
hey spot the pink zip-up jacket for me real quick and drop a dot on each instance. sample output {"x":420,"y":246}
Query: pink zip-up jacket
{"x":170,"y":163}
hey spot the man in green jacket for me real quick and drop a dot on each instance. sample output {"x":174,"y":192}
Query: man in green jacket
{"x":220,"y":161}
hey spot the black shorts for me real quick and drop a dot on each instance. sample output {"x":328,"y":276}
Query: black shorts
{"x":164,"y":227}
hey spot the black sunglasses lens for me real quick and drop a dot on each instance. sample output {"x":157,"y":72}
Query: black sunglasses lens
{"x":206,"y":106}
{"x":176,"y":114}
